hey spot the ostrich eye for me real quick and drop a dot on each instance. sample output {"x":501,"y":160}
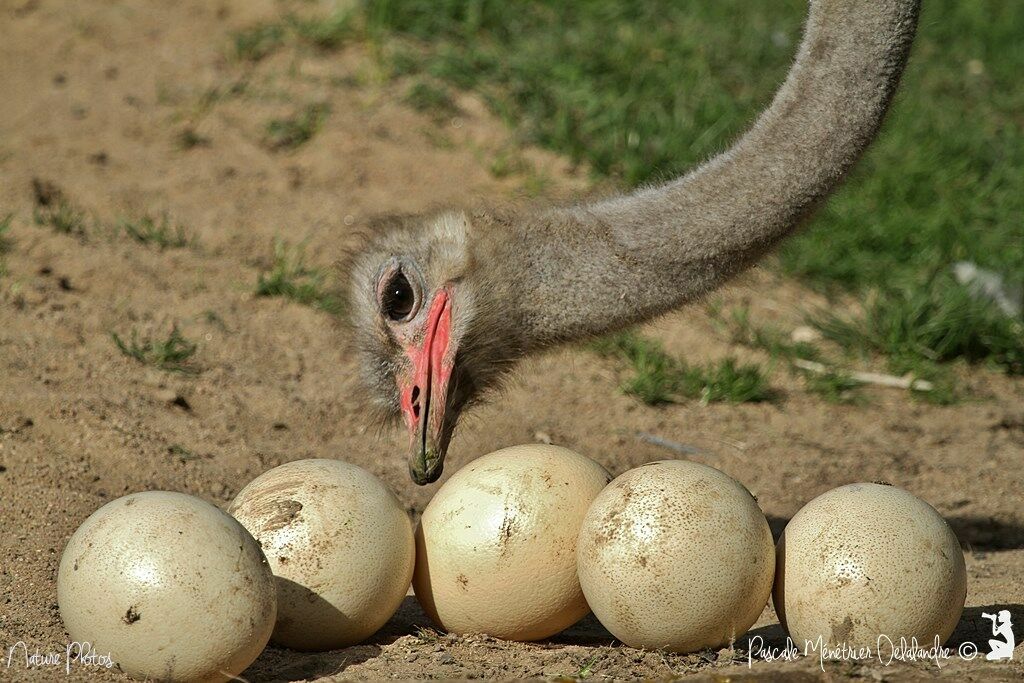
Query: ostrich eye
{"x":398,"y":298}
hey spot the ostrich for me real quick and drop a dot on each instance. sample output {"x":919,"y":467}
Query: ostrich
{"x":443,"y":305}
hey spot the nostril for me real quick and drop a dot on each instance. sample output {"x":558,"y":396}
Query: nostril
{"x":415,"y":400}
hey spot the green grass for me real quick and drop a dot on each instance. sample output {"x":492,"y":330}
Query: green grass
{"x":773,"y":341}
{"x":213,"y":318}
{"x":536,"y":183}
{"x":655,"y":374}
{"x":62,"y":218}
{"x":641,"y":91}
{"x":586,"y":670}
{"x":427,"y":97}
{"x":425,"y":634}
{"x":507,"y":162}
{"x":637,"y":90}
{"x":322,"y":32}
{"x":728,"y":380}
{"x":5,"y":231}
{"x":172,"y":353}
{"x":290,"y":277}
{"x":256,"y":42}
{"x":295,"y":130}
{"x":5,"y":241}
{"x":160,"y":232}
{"x":658,"y":378}
{"x":181,"y":453}
{"x":834,"y":386}
{"x":936,"y":322}
{"x":189,"y":138}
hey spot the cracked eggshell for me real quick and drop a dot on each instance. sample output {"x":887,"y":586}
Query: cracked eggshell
{"x":676,"y":555}
{"x":869,"y":560}
{"x":496,"y":547}
{"x":340,"y":545}
{"x":171,"y":586}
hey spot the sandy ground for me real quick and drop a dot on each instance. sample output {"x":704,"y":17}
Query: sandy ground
{"x":93,"y":100}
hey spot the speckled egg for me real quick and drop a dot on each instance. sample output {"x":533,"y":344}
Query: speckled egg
{"x":340,"y":545}
{"x":496,"y":547}
{"x":866,"y":561}
{"x":676,"y":555}
{"x":170,"y":586}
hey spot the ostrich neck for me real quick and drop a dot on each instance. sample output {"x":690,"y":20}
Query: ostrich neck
{"x":594,"y":268}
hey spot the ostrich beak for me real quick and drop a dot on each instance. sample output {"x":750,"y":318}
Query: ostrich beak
{"x":424,"y":397}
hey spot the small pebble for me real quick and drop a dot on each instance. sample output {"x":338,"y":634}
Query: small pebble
{"x":805,"y":335}
{"x":172,"y":397}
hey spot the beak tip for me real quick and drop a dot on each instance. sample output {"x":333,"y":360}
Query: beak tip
{"x":426,"y":466}
{"x":422,"y":477}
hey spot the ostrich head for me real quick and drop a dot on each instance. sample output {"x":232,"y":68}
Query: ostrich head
{"x":443,"y":306}
{"x":426,"y":349}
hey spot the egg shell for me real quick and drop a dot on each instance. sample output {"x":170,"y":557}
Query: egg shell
{"x":170,"y":586}
{"x":869,"y":560}
{"x":496,"y":546}
{"x":340,"y":545}
{"x":676,"y":555}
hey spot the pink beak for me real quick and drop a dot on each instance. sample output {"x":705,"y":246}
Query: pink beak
{"x":424,"y":399}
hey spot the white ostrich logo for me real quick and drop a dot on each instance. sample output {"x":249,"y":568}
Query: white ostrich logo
{"x":1001,"y":627}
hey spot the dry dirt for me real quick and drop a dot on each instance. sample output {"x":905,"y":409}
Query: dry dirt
{"x":94,"y":98}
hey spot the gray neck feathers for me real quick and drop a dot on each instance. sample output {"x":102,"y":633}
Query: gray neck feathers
{"x":594,"y":268}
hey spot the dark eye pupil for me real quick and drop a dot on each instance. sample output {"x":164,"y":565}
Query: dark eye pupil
{"x":398,"y":298}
